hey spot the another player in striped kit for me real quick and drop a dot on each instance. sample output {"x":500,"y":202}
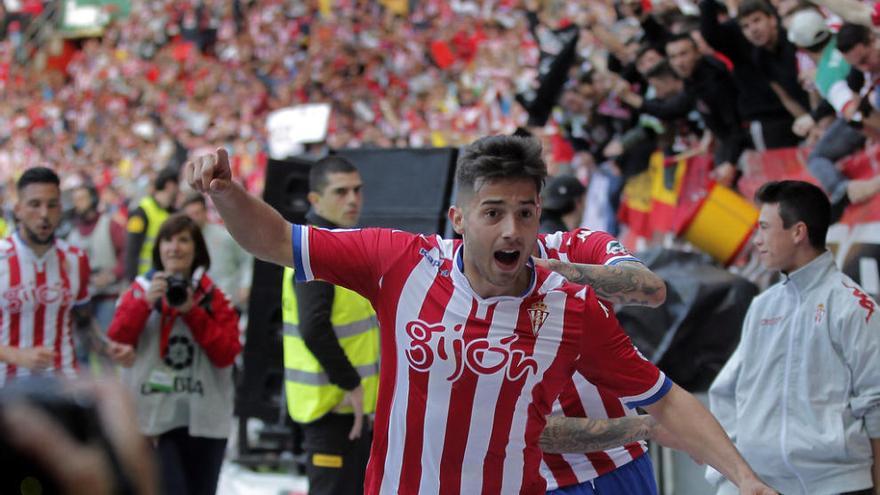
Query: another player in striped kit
{"x":477,"y":343}
{"x":599,"y":260}
{"x":43,"y":281}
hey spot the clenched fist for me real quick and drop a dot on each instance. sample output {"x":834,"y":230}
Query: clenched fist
{"x":209,"y":173}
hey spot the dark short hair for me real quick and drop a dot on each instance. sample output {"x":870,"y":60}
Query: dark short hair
{"x":688,"y":23}
{"x":851,"y":35}
{"x":37,"y":175}
{"x":645,"y":48}
{"x":799,"y":202}
{"x":500,"y":157}
{"x":321,"y":170}
{"x":91,"y":190}
{"x":749,"y":7}
{"x":166,"y":175}
{"x":193,"y":198}
{"x":174,"y":225}
{"x":662,"y":69}
{"x":680,"y":37}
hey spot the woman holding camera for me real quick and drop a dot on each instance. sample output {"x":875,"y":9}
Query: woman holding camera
{"x":184,"y":336}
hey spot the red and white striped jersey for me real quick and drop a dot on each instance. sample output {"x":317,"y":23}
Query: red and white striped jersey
{"x":580,"y":398}
{"x":466,"y":382}
{"x":584,"y":246}
{"x":36,"y":298}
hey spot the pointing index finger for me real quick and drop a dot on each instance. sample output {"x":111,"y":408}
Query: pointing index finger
{"x":209,"y":164}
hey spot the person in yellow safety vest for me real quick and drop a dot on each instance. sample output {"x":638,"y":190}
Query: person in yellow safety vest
{"x":331,"y":349}
{"x":145,"y":220}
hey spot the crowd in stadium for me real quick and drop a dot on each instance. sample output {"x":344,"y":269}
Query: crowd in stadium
{"x":157,"y":86}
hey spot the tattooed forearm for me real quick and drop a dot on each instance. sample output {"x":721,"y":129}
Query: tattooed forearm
{"x":625,"y":283}
{"x":578,"y":435}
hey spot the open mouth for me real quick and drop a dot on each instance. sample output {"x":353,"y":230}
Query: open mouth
{"x":507,"y":258}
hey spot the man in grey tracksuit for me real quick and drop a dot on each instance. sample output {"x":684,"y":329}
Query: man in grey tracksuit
{"x":800,"y":394}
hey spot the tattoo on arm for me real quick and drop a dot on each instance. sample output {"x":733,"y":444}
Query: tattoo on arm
{"x":579,"y":435}
{"x":624,"y":283}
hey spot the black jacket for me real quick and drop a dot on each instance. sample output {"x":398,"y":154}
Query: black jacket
{"x":754,"y":67}
{"x":711,"y":91}
{"x":314,"y":301}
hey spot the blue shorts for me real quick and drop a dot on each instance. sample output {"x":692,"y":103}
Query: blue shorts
{"x":633,"y":478}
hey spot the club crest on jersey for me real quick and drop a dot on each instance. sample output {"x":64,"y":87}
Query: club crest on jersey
{"x":538,"y":315}
{"x":615,"y":248}
{"x":820,"y":313}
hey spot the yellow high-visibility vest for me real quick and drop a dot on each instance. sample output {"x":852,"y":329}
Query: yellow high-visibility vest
{"x":310,"y":395}
{"x":156,"y":215}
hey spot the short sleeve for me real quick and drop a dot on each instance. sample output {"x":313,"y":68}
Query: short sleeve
{"x":609,"y":359}
{"x":352,"y":258}
{"x":588,"y":246}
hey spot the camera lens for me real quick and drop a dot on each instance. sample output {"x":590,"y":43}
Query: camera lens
{"x":177,"y":291}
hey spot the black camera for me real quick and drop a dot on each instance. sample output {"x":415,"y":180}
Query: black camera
{"x":76,"y":414}
{"x":177,"y":291}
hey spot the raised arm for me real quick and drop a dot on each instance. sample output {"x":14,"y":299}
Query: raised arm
{"x":703,"y":438}
{"x":255,"y":225}
{"x":725,"y":37}
{"x":625,"y":283}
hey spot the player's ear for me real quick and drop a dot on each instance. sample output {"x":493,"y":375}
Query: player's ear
{"x":313,"y":197}
{"x":456,"y":216}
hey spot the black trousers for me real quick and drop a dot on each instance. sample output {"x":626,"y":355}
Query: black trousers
{"x":189,"y":465}
{"x":335,"y":465}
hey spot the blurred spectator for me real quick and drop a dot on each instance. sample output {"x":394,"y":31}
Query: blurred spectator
{"x":841,"y":138}
{"x":857,"y":116}
{"x":145,"y":220}
{"x":761,"y":55}
{"x":711,"y":86}
{"x":671,"y":103}
{"x":562,"y":204}
{"x":185,"y":337}
{"x":103,"y":240}
{"x":231,"y":266}
{"x":861,"y":49}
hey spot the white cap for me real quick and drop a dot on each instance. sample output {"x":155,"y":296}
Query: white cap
{"x":807,"y":28}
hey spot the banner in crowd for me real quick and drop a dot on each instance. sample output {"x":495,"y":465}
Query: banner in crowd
{"x":86,"y":18}
{"x":677,"y":197}
{"x":291,"y":127}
